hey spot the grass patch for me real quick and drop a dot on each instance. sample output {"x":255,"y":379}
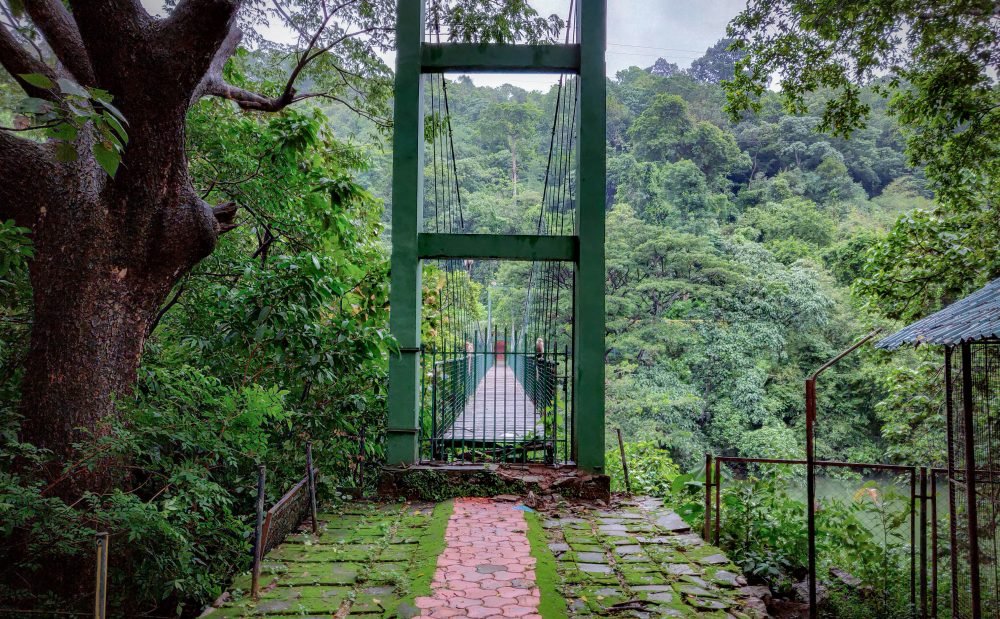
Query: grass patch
{"x":552,"y":604}
{"x":431,"y":545}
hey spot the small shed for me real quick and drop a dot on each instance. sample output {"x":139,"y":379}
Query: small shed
{"x":969,"y":331}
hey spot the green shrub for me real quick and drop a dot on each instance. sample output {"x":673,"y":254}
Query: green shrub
{"x":650,"y":468}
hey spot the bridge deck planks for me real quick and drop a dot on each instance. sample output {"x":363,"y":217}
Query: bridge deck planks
{"x":500,"y":411}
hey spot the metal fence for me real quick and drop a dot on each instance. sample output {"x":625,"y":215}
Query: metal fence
{"x":973,"y":410}
{"x":496,"y":401}
{"x":284,"y":517}
{"x":926,"y":555}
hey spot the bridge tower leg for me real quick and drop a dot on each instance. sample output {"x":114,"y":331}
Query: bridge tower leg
{"x":407,"y":218}
{"x":588,"y":349}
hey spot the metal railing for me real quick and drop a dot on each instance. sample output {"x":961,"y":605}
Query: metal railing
{"x":929,"y":547}
{"x":496,"y":401}
{"x":284,"y":517}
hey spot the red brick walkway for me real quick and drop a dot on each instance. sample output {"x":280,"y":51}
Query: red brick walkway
{"x":486,"y":569}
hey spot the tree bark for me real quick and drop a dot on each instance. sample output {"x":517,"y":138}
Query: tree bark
{"x":106,"y":256}
{"x":108,"y":250}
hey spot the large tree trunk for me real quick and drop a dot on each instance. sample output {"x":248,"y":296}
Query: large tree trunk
{"x":102,"y":268}
{"x":108,"y":250}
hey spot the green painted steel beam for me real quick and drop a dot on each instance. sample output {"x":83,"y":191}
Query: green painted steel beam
{"x":407,"y":213}
{"x":589,"y":348}
{"x":500,"y":58}
{"x":498,"y":246}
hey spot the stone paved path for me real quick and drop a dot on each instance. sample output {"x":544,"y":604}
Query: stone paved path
{"x":361,"y":565}
{"x":486,"y":569}
{"x":484,"y":558}
{"x":642,"y":560}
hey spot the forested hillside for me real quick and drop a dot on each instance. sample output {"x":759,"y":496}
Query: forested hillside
{"x":732,"y":249}
{"x":194,"y":262}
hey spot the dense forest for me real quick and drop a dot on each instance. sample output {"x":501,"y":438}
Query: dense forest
{"x":736,"y":254}
{"x":748,"y":241}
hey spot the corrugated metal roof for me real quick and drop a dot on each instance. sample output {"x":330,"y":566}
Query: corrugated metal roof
{"x":976,"y":317}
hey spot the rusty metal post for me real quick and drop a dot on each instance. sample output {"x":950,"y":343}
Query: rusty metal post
{"x":811,"y":492}
{"x":811,"y":464}
{"x":718,"y":500}
{"x":258,"y":543}
{"x":311,"y":476}
{"x":707,"y":531}
{"x":101,"y":577}
{"x":923,"y":541}
{"x":621,"y":450}
{"x":934,"y":545}
{"x":949,"y":397}
{"x":970,"y":480}
{"x":362,"y":457}
{"x":913,"y":542}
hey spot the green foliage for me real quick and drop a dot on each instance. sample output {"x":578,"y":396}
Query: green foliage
{"x":492,"y":21}
{"x":651,"y":471}
{"x":718,"y":64}
{"x":277,"y":339}
{"x":938,"y":78}
{"x":763,"y":529}
{"x":77,"y":109}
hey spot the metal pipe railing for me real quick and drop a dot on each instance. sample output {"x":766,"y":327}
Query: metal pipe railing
{"x":924,"y":524}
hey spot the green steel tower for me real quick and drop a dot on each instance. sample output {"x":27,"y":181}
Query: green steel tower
{"x":584,"y":249}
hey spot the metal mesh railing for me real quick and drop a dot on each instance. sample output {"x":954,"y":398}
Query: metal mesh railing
{"x":973,"y":377}
{"x":902,"y":513}
{"x":286,"y":515}
{"x":494,"y":403}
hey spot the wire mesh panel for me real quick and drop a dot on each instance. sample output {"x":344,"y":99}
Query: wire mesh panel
{"x":496,"y":401}
{"x":286,"y":515}
{"x":974,"y":448}
{"x":887,"y":512}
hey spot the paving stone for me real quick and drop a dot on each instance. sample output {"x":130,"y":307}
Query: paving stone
{"x":590,"y":557}
{"x":694,"y":591}
{"x":725,"y":577}
{"x":707,"y":604}
{"x":672,"y":522}
{"x":715,"y":559}
{"x":679,"y":569}
{"x":656,"y":539}
{"x":644,"y":578}
{"x":595,"y":568}
{"x":587,"y":547}
{"x":663,"y":597}
{"x":486,"y":569}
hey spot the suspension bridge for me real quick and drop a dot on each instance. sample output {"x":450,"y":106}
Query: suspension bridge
{"x":461,"y":390}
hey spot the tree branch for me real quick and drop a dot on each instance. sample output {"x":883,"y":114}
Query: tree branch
{"x":108,"y":30}
{"x":225,"y":214}
{"x":213,"y":83}
{"x":16,"y":60}
{"x":205,"y":34}
{"x":246,"y":99}
{"x":63,"y":36}
{"x":25,"y":168}
{"x":214,"y":72}
{"x":167,"y":306}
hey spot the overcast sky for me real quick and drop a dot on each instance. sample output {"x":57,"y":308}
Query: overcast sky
{"x":639,"y":32}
